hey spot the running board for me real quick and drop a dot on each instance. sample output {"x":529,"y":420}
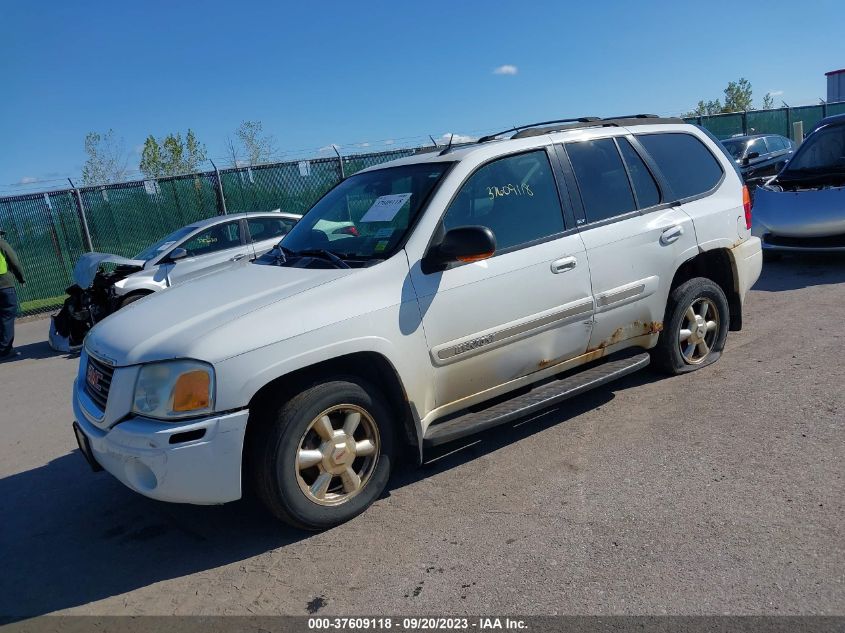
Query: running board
{"x":537,"y":399}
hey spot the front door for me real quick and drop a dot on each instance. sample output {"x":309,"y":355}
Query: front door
{"x":209,"y":251}
{"x":523,"y":310}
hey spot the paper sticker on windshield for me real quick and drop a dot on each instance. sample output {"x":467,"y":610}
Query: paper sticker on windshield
{"x":385,"y":208}
{"x":382,"y":233}
{"x":165,"y":246}
{"x":381,"y":246}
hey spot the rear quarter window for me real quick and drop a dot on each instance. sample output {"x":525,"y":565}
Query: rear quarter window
{"x":689,"y":168}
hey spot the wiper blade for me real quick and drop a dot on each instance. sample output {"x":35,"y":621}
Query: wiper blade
{"x":324,"y":254}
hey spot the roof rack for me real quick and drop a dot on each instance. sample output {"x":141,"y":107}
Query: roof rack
{"x":491,"y":137}
{"x":614,"y":121}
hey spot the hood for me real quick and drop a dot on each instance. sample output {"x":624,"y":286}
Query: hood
{"x":170,"y":323}
{"x":86,"y":267}
{"x":802,"y":213}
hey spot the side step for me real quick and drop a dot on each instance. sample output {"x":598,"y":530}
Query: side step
{"x":535,"y":400}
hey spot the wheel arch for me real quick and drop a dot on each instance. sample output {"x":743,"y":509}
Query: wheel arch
{"x":372,"y":367}
{"x":718,"y":266}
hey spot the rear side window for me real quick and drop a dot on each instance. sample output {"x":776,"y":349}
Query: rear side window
{"x":645,"y":188}
{"x":688,"y":166}
{"x":268,"y":228}
{"x":515,"y":197}
{"x":602,"y":181}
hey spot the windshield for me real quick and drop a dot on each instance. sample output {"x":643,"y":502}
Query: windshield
{"x":735,"y":148}
{"x":368,"y":214}
{"x":823,"y":150}
{"x":165,"y":244}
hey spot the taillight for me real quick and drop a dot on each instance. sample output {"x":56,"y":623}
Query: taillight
{"x":746,"y":205}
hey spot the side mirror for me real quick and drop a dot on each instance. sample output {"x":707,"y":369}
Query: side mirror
{"x":750,"y":157}
{"x":462,"y":244}
{"x":176,"y":254}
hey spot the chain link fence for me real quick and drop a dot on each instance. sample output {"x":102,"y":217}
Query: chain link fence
{"x":49,"y":231}
{"x":774,"y":121}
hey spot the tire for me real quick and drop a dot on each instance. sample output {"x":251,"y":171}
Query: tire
{"x":132,"y":298}
{"x":670,"y":354}
{"x":771,"y":256}
{"x":281,"y":454}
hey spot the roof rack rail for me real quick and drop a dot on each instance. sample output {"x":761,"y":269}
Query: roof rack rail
{"x":621,"y":121}
{"x":583,"y":119}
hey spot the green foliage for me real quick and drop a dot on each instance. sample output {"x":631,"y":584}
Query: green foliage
{"x":737,"y":99}
{"x":768,"y":101}
{"x":172,"y":156}
{"x":738,"y":96}
{"x":107,"y":159}
{"x":255,"y":146}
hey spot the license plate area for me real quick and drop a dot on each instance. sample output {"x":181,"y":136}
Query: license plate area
{"x":85,"y":448}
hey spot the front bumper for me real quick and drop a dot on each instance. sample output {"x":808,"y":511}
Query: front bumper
{"x":196,"y":461}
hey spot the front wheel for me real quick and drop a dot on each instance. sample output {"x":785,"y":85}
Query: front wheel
{"x":695,"y":327}
{"x":325,"y":455}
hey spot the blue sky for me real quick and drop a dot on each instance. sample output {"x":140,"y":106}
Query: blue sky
{"x":363,"y":74}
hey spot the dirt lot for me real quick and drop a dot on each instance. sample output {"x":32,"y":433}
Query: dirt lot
{"x":715,"y":492}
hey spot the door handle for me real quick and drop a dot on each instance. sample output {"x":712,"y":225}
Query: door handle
{"x":672,"y":234}
{"x":563,"y":264}
{"x":238,"y":257}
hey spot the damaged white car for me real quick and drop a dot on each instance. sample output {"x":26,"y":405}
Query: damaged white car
{"x":802,"y":209}
{"x":192,"y":251}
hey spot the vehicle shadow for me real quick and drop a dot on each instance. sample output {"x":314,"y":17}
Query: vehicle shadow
{"x":42,"y":350}
{"x":69,"y":537}
{"x":801,"y":271}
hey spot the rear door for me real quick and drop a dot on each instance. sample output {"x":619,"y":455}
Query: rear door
{"x":525,"y":309}
{"x":634,"y":239}
{"x":212,"y":249}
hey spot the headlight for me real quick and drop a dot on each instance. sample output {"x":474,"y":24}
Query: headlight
{"x":174,"y":389}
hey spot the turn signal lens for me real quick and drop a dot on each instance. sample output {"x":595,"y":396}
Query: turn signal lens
{"x":192,"y":391}
{"x":746,"y":205}
{"x":468,"y":259}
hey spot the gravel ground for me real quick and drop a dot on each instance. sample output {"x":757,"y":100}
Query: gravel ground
{"x":719,"y":491}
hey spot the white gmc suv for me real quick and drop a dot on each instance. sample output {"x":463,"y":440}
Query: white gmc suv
{"x":471,"y":286}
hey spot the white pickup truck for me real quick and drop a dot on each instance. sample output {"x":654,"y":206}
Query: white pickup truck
{"x":471,"y":286}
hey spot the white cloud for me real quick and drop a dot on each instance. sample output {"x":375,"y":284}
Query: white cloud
{"x":389,"y":141}
{"x":458,"y":138}
{"x":775,"y":93}
{"x":327,"y":148}
{"x":507,"y":69}
{"x":27,"y":180}
{"x":364,"y":144}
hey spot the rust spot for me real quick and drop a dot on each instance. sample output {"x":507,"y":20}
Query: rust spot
{"x":546,"y":363}
{"x":637,"y":328}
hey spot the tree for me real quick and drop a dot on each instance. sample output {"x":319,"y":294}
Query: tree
{"x":107,"y":159}
{"x":738,"y":96}
{"x":704,"y":108}
{"x":172,"y":156}
{"x":768,"y":101}
{"x":256,"y":146}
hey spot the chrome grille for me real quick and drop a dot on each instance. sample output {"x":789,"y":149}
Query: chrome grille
{"x":98,"y":376}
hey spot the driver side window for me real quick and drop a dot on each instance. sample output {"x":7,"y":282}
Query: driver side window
{"x":516,"y":197}
{"x":213,"y":239}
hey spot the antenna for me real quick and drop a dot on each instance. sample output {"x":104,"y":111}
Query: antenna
{"x":449,"y":146}
{"x":433,"y":141}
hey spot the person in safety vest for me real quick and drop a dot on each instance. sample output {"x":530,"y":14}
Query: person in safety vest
{"x":10,"y":269}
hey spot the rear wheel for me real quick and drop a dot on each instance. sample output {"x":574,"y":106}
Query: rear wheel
{"x":695,"y":327}
{"x":325,"y":455}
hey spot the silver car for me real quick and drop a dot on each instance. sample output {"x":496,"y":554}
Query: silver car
{"x":202,"y":248}
{"x":802,"y":209}
{"x":193,"y":251}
